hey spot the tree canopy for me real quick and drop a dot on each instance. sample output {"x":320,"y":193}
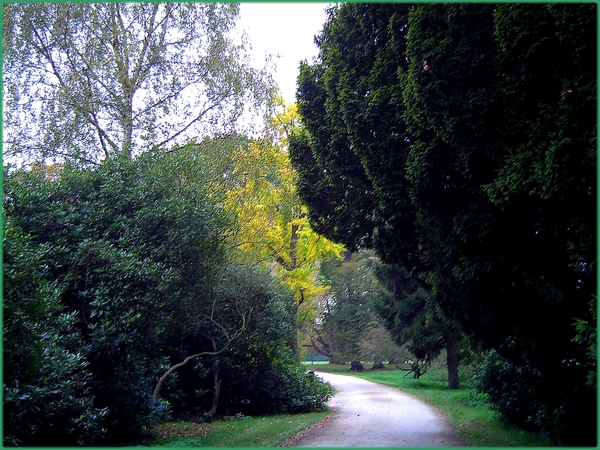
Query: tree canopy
{"x":88,"y":81}
{"x":272,"y":229}
{"x":349,"y":329}
{"x":459,"y":141}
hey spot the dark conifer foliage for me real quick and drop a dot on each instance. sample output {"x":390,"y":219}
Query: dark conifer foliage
{"x":474,"y":130}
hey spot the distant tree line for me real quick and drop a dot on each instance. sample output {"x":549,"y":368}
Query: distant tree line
{"x":459,"y":142}
{"x":349,"y":329}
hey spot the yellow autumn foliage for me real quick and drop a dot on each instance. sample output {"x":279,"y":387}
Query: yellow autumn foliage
{"x":272,"y":222}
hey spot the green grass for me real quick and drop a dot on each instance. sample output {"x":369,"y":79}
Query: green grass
{"x":240,"y":431}
{"x":468,"y":411}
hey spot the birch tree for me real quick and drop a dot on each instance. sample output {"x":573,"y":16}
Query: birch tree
{"x":90,"y":81}
{"x":473,"y":131}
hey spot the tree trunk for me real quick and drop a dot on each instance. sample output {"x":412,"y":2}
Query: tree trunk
{"x":293,"y":262}
{"x":293,"y":339}
{"x":452,"y":363}
{"x":294,"y":245}
{"x":294,"y":345}
{"x":217,"y":392}
{"x":356,"y":366}
{"x":377,"y":363}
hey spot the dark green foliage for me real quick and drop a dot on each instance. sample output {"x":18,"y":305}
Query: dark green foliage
{"x":330,"y":196}
{"x":481,"y":178}
{"x":351,"y":105}
{"x":47,"y":385}
{"x":114,"y":274}
{"x":524,"y":392}
{"x":587,"y":337}
{"x":132,"y":250}
{"x":517,"y":232}
{"x":278,"y":386}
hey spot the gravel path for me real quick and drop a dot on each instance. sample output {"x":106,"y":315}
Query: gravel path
{"x":366,"y":414}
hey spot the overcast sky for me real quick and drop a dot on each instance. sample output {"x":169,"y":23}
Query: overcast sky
{"x":284,"y":29}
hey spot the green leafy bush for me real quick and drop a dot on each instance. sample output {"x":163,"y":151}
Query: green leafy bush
{"x":525,"y":394}
{"x":130,"y":250}
{"x":114,"y":274}
{"x":46,"y":382}
{"x":286,"y":388}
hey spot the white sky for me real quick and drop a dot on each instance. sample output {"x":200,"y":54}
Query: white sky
{"x":286,"y":30}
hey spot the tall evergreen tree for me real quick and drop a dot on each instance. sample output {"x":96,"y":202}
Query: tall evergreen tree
{"x":479,"y":171}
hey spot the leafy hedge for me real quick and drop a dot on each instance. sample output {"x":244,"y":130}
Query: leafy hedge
{"x":114,"y":274}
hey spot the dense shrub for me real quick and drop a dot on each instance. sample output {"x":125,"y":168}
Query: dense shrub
{"x":47,"y":386}
{"x":114,"y":274}
{"x":298,"y":392}
{"x":524,"y":392}
{"x":275,"y":384}
{"x":133,"y":250}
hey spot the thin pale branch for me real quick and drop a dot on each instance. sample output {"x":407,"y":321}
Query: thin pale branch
{"x":195,"y":119}
{"x":183,"y":363}
{"x":239,"y":332}
{"x":90,"y":117}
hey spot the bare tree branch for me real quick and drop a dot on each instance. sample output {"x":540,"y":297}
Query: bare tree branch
{"x":244,"y":317}
{"x":184,"y":362}
{"x":195,"y":120}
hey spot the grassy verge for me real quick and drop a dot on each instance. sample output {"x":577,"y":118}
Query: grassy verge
{"x":240,"y":431}
{"x":468,"y":411}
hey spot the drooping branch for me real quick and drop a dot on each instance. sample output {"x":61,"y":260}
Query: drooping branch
{"x":325,"y":350}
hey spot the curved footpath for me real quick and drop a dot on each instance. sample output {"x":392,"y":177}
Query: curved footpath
{"x":367,"y":414}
